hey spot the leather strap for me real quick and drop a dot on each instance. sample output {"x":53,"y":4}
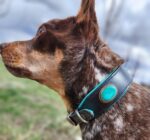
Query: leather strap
{"x":92,"y":106}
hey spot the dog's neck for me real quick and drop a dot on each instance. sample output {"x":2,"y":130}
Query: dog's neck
{"x":81,"y":74}
{"x":84,"y":67}
{"x":84,"y":75}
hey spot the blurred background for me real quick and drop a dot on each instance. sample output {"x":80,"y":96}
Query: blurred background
{"x":29,"y":111}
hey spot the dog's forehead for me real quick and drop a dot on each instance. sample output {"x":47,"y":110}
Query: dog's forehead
{"x":59,"y":24}
{"x":62,"y":21}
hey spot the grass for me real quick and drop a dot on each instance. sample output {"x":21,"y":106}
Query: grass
{"x":30,"y":111}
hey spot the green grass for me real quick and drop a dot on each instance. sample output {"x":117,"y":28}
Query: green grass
{"x":30,"y":111}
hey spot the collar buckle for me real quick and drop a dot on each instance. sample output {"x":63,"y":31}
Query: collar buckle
{"x":82,"y":116}
{"x":70,"y":120}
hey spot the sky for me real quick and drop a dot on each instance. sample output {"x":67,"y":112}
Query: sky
{"x":128,"y":31}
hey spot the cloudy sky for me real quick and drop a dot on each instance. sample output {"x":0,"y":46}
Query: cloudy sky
{"x":125,"y":25}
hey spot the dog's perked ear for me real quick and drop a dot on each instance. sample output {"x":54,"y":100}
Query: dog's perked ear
{"x":108,"y":59}
{"x":87,"y":11}
{"x":87,"y":20}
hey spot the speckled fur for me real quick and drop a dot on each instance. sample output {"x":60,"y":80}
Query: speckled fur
{"x":121,"y":124}
{"x":129,"y":119}
{"x":69,"y":57}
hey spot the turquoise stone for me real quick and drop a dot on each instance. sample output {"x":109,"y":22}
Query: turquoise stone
{"x":108,"y":93}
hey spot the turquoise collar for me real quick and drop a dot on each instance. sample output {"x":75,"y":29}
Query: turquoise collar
{"x":102,"y":97}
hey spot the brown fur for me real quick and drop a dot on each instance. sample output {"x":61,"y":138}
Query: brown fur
{"x":69,"y":57}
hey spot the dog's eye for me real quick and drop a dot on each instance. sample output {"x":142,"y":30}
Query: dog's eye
{"x":41,"y":30}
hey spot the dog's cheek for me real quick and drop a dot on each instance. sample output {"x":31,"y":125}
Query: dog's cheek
{"x":58,"y":58}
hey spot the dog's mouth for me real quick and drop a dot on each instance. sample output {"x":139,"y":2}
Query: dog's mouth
{"x":19,"y":72}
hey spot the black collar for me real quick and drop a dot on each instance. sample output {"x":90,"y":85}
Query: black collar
{"x":102,"y":97}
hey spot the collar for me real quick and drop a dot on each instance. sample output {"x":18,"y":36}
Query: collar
{"x":102,"y":97}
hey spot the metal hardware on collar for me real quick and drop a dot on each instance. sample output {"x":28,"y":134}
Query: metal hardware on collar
{"x":80,"y":117}
{"x":70,"y":120}
{"x":98,"y":100}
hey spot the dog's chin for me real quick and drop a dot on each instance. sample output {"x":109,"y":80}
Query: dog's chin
{"x":18,"y":72}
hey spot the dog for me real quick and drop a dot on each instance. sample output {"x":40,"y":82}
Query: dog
{"x":69,"y":56}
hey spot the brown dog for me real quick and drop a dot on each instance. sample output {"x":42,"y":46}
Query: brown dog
{"x":69,"y":57}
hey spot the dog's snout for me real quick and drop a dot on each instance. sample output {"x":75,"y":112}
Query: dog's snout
{"x":2,"y":46}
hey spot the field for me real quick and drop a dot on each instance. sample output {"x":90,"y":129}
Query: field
{"x":30,"y":111}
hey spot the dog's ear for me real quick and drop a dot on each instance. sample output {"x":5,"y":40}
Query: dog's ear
{"x":87,"y":20}
{"x":108,"y":59}
{"x":87,"y":11}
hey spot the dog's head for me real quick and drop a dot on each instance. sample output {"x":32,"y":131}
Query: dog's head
{"x":58,"y":49}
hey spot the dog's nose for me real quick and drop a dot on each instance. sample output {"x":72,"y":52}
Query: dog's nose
{"x":2,"y":46}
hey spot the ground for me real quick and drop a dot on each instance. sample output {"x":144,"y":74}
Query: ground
{"x":30,"y":111}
